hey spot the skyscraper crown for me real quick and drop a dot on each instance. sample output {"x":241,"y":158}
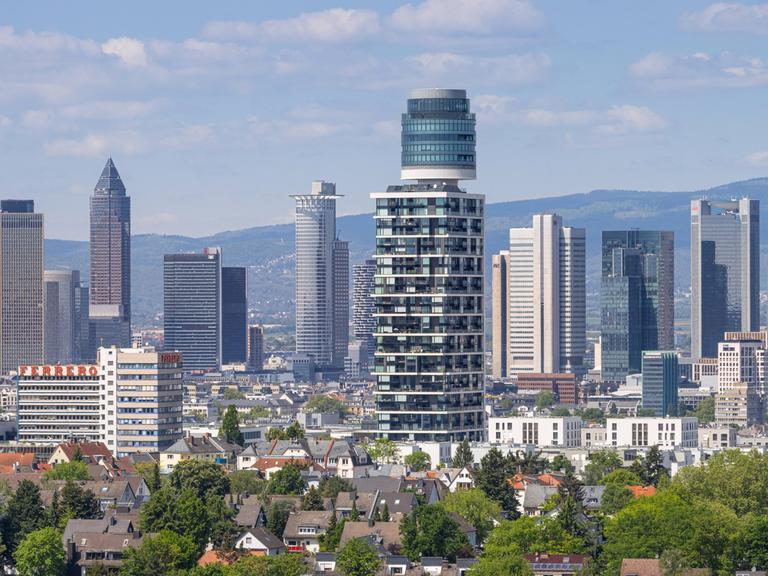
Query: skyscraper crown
{"x":110,"y":181}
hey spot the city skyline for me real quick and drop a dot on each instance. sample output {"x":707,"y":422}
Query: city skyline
{"x":545,"y":97}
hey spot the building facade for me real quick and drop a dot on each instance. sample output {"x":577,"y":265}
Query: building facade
{"x":322,"y":297}
{"x":661,"y":376}
{"x":538,"y":431}
{"x":637,"y":311}
{"x":22,"y":336}
{"x":641,"y":432}
{"x":141,"y":409}
{"x":500,"y":314}
{"x":546,"y":298}
{"x":62,"y":321}
{"x":429,"y":279}
{"x":363,"y":320}
{"x":192,"y":308}
{"x":256,"y":347}
{"x":725,"y":271}
{"x":110,"y":261}
{"x":234,"y":315}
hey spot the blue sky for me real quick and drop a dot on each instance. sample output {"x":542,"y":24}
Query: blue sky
{"x":215,"y":112}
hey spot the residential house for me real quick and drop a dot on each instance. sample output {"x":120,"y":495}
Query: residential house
{"x":98,"y":542}
{"x":325,"y":562}
{"x":206,"y":448}
{"x":304,"y":529}
{"x":542,"y":564}
{"x":260,"y":540}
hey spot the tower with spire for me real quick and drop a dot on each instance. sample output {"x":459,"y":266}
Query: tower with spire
{"x":110,"y":261}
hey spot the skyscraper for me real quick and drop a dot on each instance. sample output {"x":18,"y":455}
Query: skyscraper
{"x":546,"y":298}
{"x":322,"y":279}
{"x":61,"y":321}
{"x":660,"y":381}
{"x":234,"y":315}
{"x":363,"y":320}
{"x":21,"y":298}
{"x":110,"y":255}
{"x":637,"y":311}
{"x":256,"y":347}
{"x":192,"y":308}
{"x":725,"y":271}
{"x":429,"y":279}
{"x":500,"y":313}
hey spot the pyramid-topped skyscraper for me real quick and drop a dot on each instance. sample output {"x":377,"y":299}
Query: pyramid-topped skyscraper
{"x":110,"y":261}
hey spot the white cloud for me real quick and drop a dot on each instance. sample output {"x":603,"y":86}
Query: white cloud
{"x":44,"y":42}
{"x":291,"y":131}
{"x":510,"y":69}
{"x":5,"y":121}
{"x":36,"y":119}
{"x":97,"y":145}
{"x":109,"y":109}
{"x":699,"y":69}
{"x":332,"y":26}
{"x":758,"y":158}
{"x":728,"y":17}
{"x":652,"y":65}
{"x":628,"y":118}
{"x":434,"y":17}
{"x":129,"y":50}
{"x":550,"y":118}
{"x":387,"y":129}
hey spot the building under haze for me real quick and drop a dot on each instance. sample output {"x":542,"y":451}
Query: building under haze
{"x":543,"y":329}
{"x":234,"y":315}
{"x":661,"y":376}
{"x":256,"y":347}
{"x":22,"y":338}
{"x":62,"y":316}
{"x":110,"y":261}
{"x":637,"y":292}
{"x":429,"y":279}
{"x":322,"y":280}
{"x":725,"y":271}
{"x":192,"y":308}
{"x":363,"y":320}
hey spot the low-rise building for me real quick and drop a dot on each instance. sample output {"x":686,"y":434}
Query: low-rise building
{"x":304,"y":529}
{"x":738,"y":405}
{"x":717,"y":437}
{"x":638,"y":432}
{"x":562,"y":431}
{"x":206,"y":448}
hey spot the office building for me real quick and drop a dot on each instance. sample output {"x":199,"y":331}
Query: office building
{"x":647,"y":431}
{"x":740,"y":362}
{"x":738,"y":405}
{"x":637,"y":311}
{"x":429,"y":279}
{"x":322,"y":280}
{"x":562,"y":386}
{"x":363,"y":320}
{"x":62,"y":321}
{"x":725,"y":271}
{"x":58,"y":403}
{"x":564,"y":431}
{"x":83,"y":350}
{"x":500,"y":313}
{"x":546,"y":298}
{"x":661,"y":377}
{"x":22,"y":338}
{"x":141,"y":406}
{"x":192,"y":308}
{"x":234,"y":315}
{"x":110,"y":262}
{"x":256,"y":347}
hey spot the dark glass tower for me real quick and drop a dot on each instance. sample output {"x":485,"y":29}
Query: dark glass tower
{"x":110,"y":266}
{"x":637,"y":299}
{"x":428,"y":286}
{"x":660,"y":381}
{"x":234,"y":315}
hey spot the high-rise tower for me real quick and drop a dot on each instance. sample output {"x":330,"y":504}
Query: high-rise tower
{"x":429,"y":279}
{"x":110,"y":254}
{"x":234,"y":315}
{"x":363,"y":320}
{"x":21,"y":273}
{"x":322,"y":279}
{"x":725,"y":271}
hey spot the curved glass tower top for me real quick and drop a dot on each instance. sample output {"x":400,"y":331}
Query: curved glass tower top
{"x":438,"y":136}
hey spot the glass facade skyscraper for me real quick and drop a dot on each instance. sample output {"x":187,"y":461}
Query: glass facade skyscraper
{"x":428,"y":286}
{"x":660,"y":381}
{"x":363,"y":320}
{"x":637,"y":311}
{"x":234,"y":315}
{"x":110,"y":262}
{"x":725,"y":272}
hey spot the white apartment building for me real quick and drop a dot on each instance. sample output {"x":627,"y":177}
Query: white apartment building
{"x":639,"y":432}
{"x":546,"y":298}
{"x":538,"y":431}
{"x":738,"y":364}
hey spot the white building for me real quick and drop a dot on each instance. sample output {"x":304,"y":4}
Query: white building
{"x":546,"y":330}
{"x":737,"y":364}
{"x":564,"y":431}
{"x":640,"y":432}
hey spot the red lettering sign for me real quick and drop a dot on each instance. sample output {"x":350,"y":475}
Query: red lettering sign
{"x":23,"y":370}
{"x":81,"y":370}
{"x":93,"y":371}
{"x":34,"y":370}
{"x":70,"y":370}
{"x":58,"y":370}
{"x":46,"y":370}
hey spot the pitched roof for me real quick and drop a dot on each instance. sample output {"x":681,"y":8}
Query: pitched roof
{"x":267,"y":538}
{"x":202,"y":445}
{"x":306,"y":518}
{"x":248,"y":515}
{"x":640,"y":491}
{"x":641,"y":567}
{"x":385,"y":533}
{"x":12,"y":461}
{"x":88,"y":450}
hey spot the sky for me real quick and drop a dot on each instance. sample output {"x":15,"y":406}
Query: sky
{"x":215,"y":112}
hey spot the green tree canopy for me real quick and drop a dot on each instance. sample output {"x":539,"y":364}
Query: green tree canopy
{"x":332,"y":485}
{"x":382,"y":450}
{"x":162,"y":555}
{"x":418,"y":461}
{"x":650,"y":468}
{"x":203,"y":477}
{"x":430,"y":531}
{"x":23,"y":514}
{"x":281,"y":565}
{"x":76,"y":502}
{"x":463,"y":457}
{"x":324,"y":404}
{"x":476,"y":508}
{"x":294,"y":431}
{"x":312,"y":500}
{"x":74,"y":470}
{"x":601,"y":463}
{"x":41,"y":554}
{"x":287,"y":481}
{"x":615,"y":497}
{"x":544,"y":399}
{"x":232,"y":394}
{"x":492,"y":478}
{"x":247,"y":482}
{"x":705,"y":411}
{"x":230,"y":427}
{"x":357,"y":558}
{"x":621,"y":477}
{"x":277,"y":517}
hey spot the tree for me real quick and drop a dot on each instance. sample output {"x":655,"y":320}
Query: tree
{"x":382,"y":450}
{"x":358,"y":558}
{"x":312,"y":500}
{"x":615,"y":497}
{"x":324,"y":404}
{"x":287,"y":481}
{"x":674,"y":562}
{"x":492,"y":478}
{"x":77,"y":454}
{"x":24,"y":514}
{"x":158,"y":511}
{"x":294,"y":432}
{"x":705,"y":411}
{"x":601,"y":462}
{"x":41,"y":554}
{"x":230,"y":427}
{"x":418,"y":461}
{"x":650,"y":468}
{"x":593,"y":415}
{"x":530,"y":535}
{"x":258,"y":412}
{"x":75,"y":502}
{"x":501,"y":559}
{"x":544,"y":399}
{"x":150,"y":471}
{"x":622,"y":477}
{"x":202,"y":477}
{"x":332,"y":485}
{"x":559,"y":412}
{"x":560,"y":463}
{"x":190,"y":518}
{"x":329,"y":541}
{"x":232,"y":394}
{"x":430,"y":531}
{"x":277,"y":517}
{"x":247,"y":482}
{"x":384,"y":513}
{"x":281,"y":565}
{"x":354,"y":513}
{"x":223,"y":528}
{"x":275,"y":434}
{"x":73,"y":470}
{"x":161,"y":555}
{"x":476,"y":508}
{"x":463,"y":457}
